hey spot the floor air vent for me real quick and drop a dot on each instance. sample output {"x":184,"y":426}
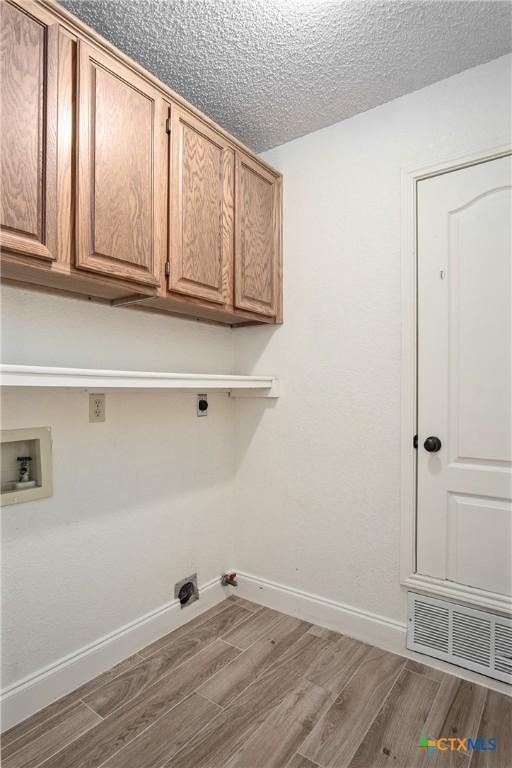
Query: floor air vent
{"x":467,"y":637}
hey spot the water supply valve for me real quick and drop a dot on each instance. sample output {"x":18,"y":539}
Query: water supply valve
{"x":229,"y":579}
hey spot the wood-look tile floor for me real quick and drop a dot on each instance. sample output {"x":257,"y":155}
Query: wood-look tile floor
{"x":243,"y":686}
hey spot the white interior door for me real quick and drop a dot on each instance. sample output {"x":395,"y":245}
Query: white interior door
{"x":464,"y":514}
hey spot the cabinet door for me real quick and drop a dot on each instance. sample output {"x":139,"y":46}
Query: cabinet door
{"x":202,"y":182}
{"x":257,"y":245}
{"x":28,"y":82}
{"x":120,"y":212}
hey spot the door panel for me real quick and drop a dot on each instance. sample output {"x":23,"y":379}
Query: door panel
{"x":464,"y":515}
{"x":480,"y":304}
{"x":121,"y":119}
{"x":202,"y":178}
{"x":28,"y":82}
{"x":257,"y":238}
{"x":479,"y":542}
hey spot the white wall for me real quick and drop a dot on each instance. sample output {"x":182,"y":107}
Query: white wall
{"x":151,"y":495}
{"x":318,"y":480}
{"x":139,"y":501}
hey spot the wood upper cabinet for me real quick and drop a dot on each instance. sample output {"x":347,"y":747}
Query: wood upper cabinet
{"x":120,"y":216}
{"x":257,"y":243}
{"x":28,"y":82}
{"x":107,"y":176}
{"x":202,"y":209}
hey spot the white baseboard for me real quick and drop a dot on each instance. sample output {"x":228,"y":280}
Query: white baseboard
{"x":368,"y":627}
{"x":23,"y":698}
{"x":363,"y":625}
{"x":36,"y":691}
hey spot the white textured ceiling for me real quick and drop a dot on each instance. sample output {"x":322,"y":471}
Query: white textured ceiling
{"x":272,"y":70}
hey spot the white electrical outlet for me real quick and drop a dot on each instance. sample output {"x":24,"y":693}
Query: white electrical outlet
{"x":96,"y":407}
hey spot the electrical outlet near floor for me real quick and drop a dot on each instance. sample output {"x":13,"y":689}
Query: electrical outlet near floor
{"x":96,"y":407}
{"x":186,"y":590}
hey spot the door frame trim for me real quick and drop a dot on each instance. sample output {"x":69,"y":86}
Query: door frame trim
{"x":408,"y":491}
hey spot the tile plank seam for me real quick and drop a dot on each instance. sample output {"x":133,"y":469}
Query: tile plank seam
{"x":67,"y":706}
{"x":92,"y":710}
{"x":170,"y":671}
{"x":478,"y":723}
{"x":254,"y":683}
{"x":221,"y":607}
{"x":243,"y":650}
{"x":335,"y":696}
{"x":469,"y":757}
{"x":266,"y":671}
{"x":73,"y":703}
{"x":16,"y":749}
{"x":72,"y":738}
{"x":271,"y":626}
{"x":324,"y":716}
{"x":30,"y":730}
{"x":164,"y":714}
{"x":299,"y":754}
{"x":204,"y":696}
{"x":226,"y":668}
{"x":332,"y":659}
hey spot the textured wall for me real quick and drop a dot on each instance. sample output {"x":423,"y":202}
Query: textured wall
{"x":272,"y":70}
{"x":318,"y":479}
{"x":139,"y":501}
{"x":314,"y":504}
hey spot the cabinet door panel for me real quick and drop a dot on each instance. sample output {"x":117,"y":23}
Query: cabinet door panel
{"x":121,"y":119}
{"x":202,"y":179}
{"x":257,"y":251}
{"x":28,"y":82}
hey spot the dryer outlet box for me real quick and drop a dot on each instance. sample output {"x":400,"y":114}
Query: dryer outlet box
{"x":186,"y":590}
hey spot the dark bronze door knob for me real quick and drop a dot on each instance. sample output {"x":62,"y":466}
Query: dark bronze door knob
{"x":432,"y":444}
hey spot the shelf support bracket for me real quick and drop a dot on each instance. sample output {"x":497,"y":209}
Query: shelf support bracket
{"x":272,"y":393}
